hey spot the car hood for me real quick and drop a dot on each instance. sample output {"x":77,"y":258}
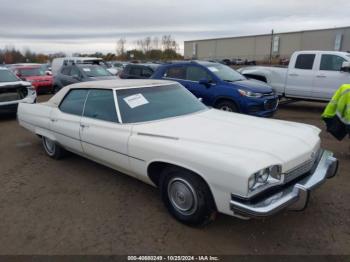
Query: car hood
{"x":287,"y":143}
{"x":253,"y":86}
{"x":15,"y":84}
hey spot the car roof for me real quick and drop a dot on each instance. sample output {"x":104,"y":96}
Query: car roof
{"x":198,"y":62}
{"x":108,"y":84}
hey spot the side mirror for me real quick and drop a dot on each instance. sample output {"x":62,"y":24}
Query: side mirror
{"x":205,"y":82}
{"x":345,"y":67}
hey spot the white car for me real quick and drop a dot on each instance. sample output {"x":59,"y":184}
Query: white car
{"x":13,"y":91}
{"x":311,"y":75}
{"x":203,"y":160}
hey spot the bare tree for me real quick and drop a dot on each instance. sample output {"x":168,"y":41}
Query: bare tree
{"x":168,"y":43}
{"x":121,"y":47}
{"x":155,"y":43}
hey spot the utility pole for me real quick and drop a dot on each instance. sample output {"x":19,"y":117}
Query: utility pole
{"x":271,"y":46}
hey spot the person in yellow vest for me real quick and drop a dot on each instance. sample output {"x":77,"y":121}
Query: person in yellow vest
{"x":337,"y":113}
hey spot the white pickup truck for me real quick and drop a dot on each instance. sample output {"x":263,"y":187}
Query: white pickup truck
{"x":311,"y":75}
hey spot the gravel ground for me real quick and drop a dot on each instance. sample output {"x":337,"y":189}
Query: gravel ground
{"x":75,"y":206}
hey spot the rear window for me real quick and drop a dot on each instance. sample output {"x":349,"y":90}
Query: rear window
{"x":135,"y":71}
{"x":7,"y":76}
{"x":74,"y":101}
{"x":32,"y":71}
{"x":305,"y":61}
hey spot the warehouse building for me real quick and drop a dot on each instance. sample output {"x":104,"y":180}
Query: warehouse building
{"x":261,"y":47}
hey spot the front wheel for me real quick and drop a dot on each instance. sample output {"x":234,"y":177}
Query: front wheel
{"x":227,"y":106}
{"x":52,"y":149}
{"x":187,"y":197}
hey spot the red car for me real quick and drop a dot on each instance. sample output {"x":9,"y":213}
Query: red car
{"x":37,"y":76}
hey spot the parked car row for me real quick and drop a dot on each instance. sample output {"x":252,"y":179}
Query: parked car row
{"x":217,"y":85}
{"x":238,"y":61}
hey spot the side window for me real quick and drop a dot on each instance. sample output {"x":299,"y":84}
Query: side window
{"x":100,"y":105}
{"x":147,"y":72}
{"x":66,"y":70}
{"x":74,"y":72}
{"x":177,"y":72}
{"x":305,"y":61}
{"x":195,"y":73}
{"x":135,"y":71}
{"x":331,"y":62}
{"x":74,"y":101}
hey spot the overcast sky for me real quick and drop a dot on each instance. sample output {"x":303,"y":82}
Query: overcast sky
{"x":95,"y":25}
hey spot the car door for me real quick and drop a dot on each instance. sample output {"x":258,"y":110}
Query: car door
{"x":75,"y":76}
{"x":194,"y":74}
{"x":65,"y":120}
{"x":176,"y":73}
{"x":329,"y":77}
{"x":64,"y":75}
{"x":300,"y":76}
{"x":103,"y":138}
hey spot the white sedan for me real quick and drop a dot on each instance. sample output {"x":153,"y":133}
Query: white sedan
{"x":203,"y":160}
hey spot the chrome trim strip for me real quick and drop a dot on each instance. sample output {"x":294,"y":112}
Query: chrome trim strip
{"x":160,"y":136}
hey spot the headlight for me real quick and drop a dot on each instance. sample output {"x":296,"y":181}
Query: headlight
{"x":249,"y":94}
{"x":265,"y":178}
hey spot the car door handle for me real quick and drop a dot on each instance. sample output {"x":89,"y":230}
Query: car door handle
{"x":293,"y":75}
{"x":84,"y":125}
{"x":321,"y":76}
{"x":53,"y":120}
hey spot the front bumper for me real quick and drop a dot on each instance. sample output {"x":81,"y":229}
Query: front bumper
{"x":293,"y":197}
{"x":261,"y":107}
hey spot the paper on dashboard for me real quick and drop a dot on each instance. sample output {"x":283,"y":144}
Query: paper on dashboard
{"x":136,"y":100}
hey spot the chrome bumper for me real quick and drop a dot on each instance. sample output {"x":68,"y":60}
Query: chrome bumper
{"x":294,"y":197}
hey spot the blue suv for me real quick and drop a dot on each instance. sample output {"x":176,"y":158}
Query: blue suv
{"x":221,"y":87}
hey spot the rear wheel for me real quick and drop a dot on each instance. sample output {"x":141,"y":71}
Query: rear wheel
{"x":187,"y":197}
{"x":52,"y":149}
{"x":227,"y":105}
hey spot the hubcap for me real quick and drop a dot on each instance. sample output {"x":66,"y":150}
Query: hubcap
{"x":49,"y":146}
{"x":182,"y":196}
{"x":226,"y":108}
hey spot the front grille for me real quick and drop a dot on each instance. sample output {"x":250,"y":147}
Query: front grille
{"x":298,"y":171}
{"x":270,"y":104}
{"x":254,"y":109}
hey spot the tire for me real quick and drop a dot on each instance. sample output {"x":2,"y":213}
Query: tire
{"x":52,"y":149}
{"x":187,"y":197}
{"x":228,"y":106}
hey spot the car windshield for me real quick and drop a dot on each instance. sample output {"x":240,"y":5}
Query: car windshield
{"x":32,"y":72}
{"x":155,"y":103}
{"x":95,"y":71}
{"x":225,"y":73}
{"x":7,"y":76}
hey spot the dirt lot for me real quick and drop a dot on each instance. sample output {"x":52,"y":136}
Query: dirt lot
{"x":75,"y":206}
